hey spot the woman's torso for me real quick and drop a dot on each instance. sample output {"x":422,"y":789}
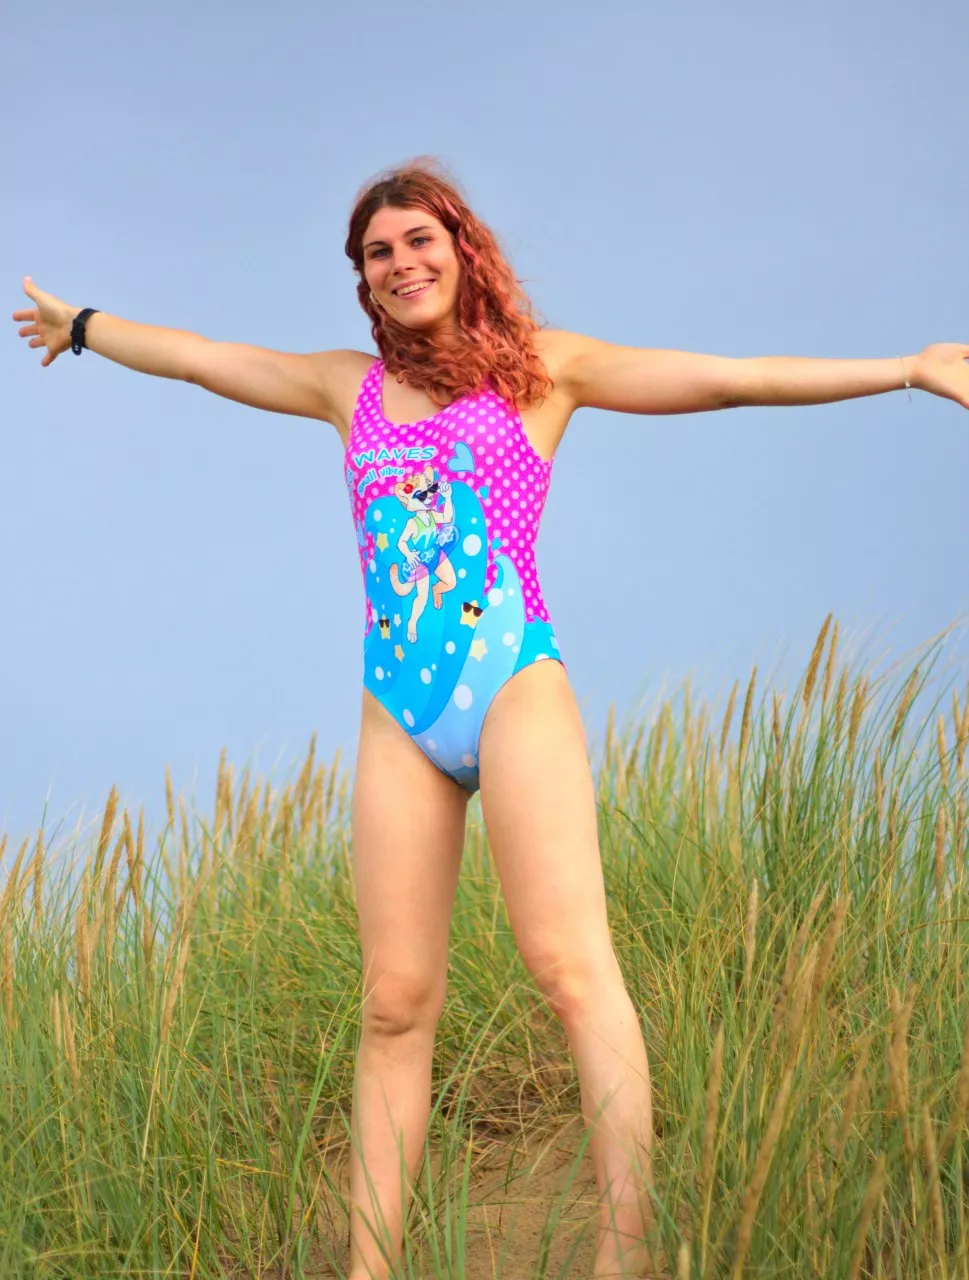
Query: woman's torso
{"x":461,"y":491}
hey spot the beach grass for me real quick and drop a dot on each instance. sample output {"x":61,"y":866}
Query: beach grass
{"x":788,"y":889}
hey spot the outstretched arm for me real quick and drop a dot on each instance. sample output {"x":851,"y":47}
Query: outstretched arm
{"x":279,"y":381}
{"x":602,"y":375}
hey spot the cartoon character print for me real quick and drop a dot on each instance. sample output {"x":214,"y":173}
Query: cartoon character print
{"x":424,"y":542}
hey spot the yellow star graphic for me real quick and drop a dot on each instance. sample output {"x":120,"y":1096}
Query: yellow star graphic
{"x":398,"y":652}
{"x":478,"y":649}
{"x":381,"y":541}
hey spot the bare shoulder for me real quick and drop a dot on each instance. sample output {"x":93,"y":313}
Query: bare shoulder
{"x":559,"y":349}
{"x":553,"y":347}
{"x":338,"y":375}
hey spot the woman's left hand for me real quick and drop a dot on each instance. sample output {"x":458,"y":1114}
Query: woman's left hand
{"x":942,"y":369}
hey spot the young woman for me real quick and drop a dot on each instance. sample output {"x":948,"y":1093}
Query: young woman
{"x":448,"y":440}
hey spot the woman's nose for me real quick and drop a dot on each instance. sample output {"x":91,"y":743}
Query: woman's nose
{"x":402,"y":258}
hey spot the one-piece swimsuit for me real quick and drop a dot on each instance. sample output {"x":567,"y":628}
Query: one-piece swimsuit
{"x":447,"y":512}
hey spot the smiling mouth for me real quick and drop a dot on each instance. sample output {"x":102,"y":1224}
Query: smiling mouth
{"x":414,"y":292}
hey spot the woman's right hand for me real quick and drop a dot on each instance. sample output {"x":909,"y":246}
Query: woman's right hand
{"x":48,"y":322}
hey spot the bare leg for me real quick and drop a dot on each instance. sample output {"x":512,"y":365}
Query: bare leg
{"x":610,"y":1058}
{"x":408,"y":836}
{"x":391,"y":1106}
{"x":538,"y":801}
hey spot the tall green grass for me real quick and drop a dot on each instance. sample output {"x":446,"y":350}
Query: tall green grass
{"x":787,"y":885}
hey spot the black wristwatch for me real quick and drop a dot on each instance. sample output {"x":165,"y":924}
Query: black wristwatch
{"x":77,"y":329}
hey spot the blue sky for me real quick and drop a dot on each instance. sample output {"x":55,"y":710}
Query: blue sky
{"x":179,"y":572}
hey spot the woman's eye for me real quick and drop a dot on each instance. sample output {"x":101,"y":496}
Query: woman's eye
{"x":376,"y":253}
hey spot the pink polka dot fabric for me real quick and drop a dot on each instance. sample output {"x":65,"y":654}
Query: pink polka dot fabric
{"x":510,"y":478}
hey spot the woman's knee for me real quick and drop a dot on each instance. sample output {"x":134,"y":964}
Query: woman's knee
{"x":572,"y":982}
{"x":397,"y":1003}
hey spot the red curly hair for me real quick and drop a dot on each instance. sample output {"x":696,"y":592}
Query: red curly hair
{"x":494,"y":341}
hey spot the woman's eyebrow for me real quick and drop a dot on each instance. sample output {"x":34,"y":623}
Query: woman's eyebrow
{"x":406,"y":233}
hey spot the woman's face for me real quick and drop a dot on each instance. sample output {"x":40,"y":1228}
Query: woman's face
{"x":409,"y":247}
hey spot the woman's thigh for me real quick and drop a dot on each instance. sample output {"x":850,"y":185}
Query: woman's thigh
{"x":538,"y":802}
{"x":408,"y":836}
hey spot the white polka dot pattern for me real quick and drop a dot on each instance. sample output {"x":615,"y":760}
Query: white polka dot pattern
{"x":512,"y":495}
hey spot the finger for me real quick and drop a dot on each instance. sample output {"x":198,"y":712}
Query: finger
{"x":25,"y":315}
{"x":27,"y":331}
{"x":36,"y":342}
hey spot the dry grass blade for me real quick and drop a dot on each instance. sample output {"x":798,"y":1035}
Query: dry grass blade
{"x":39,"y":882}
{"x":943,"y":751}
{"x":941,"y":823}
{"x":852,"y":1098}
{"x":829,"y":666}
{"x":319,"y":791}
{"x":81,"y":939}
{"x":134,"y":865}
{"x":750,"y":934}
{"x":754,"y":1188}
{"x":301,"y":796}
{"x":935,"y":1192}
{"x":712,"y":1112}
{"x":790,"y":966}
{"x":242,"y":803}
{"x":891,"y":839}
{"x":184,"y":846}
{"x":799,"y":1005}
{"x":960,"y":1107}
{"x":898,"y":1063}
{"x":839,"y":702}
{"x":776,"y":731}
{"x":227,"y":801}
{"x":872,"y":1195}
{"x":176,"y":984}
{"x":67,"y":1030}
{"x":107,"y":890}
{"x":962,"y":737}
{"x":169,"y":799}
{"x":746,"y":719}
{"x":728,"y":716}
{"x":107,"y":825}
{"x":857,"y":708}
{"x":907,"y":696}
{"x":814,"y":663}
{"x":10,"y":888}
{"x":55,"y":1013}
{"x":8,"y":1001}
{"x":828,"y":944}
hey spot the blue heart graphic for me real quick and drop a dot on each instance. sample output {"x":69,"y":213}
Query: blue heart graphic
{"x":462,"y":460}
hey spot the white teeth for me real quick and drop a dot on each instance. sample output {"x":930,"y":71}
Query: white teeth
{"x":413,"y":288}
